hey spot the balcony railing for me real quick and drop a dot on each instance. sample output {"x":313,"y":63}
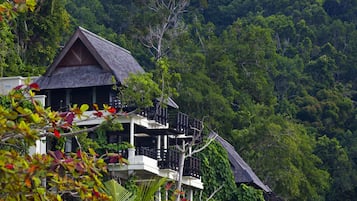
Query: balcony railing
{"x":158,"y":114}
{"x":168,"y":159}
{"x":192,"y":167}
{"x":146,"y":151}
{"x":178,"y":122}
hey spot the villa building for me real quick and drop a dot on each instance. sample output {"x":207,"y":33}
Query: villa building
{"x":83,"y":72}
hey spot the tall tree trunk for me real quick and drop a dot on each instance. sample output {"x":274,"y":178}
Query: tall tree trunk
{"x":180,"y":174}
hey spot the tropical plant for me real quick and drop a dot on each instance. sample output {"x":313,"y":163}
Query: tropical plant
{"x":118,"y":192}
{"x":49,"y":176}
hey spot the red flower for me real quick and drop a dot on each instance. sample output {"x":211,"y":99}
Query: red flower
{"x":56,"y":133}
{"x":112,"y":110}
{"x":9,"y":166}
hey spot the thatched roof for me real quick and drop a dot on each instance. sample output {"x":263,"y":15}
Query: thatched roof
{"x":89,"y":60}
{"x":241,"y":170}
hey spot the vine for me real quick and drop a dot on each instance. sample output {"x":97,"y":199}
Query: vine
{"x":217,"y":176}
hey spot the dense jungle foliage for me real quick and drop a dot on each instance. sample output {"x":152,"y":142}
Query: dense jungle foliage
{"x":276,"y":78}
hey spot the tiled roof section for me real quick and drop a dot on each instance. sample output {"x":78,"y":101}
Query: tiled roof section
{"x":75,"y":77}
{"x":118,"y":59}
{"x":113,"y":60}
{"x":241,"y":170}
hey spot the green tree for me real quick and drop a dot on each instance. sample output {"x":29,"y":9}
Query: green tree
{"x":41,"y":32}
{"x":281,"y":152}
{"x":336,"y":161}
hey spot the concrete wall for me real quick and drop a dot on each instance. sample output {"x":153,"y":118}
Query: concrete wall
{"x":8,"y":83}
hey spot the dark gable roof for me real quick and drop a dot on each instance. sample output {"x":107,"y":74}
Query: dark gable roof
{"x":241,"y":170}
{"x":113,"y":60}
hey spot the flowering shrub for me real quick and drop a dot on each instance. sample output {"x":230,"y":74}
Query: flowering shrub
{"x":23,"y":121}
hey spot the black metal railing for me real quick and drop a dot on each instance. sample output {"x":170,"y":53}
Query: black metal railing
{"x":179,"y":122}
{"x":120,"y":106}
{"x":192,"y":167}
{"x":146,"y":151}
{"x":168,"y":159}
{"x":157,"y":113}
{"x":124,"y":153}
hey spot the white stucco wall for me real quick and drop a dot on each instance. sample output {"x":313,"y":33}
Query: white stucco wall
{"x":8,"y":83}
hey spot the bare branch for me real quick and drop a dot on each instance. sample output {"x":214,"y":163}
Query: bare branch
{"x":182,"y":150}
{"x":214,"y":192}
{"x":11,"y":145}
{"x":172,"y":10}
{"x":203,"y":147}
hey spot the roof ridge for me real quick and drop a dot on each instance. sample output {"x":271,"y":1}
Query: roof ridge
{"x":103,"y":39}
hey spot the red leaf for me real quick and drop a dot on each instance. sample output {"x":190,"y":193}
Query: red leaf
{"x":70,"y":117}
{"x":112,"y":110}
{"x":79,"y":154}
{"x":98,"y":114}
{"x":58,"y":155}
{"x":56,"y":133}
{"x":80,"y":167}
{"x":168,"y":185}
{"x":34,"y":86}
{"x":113,"y":159}
{"x":18,"y":87}
{"x":96,"y":193}
{"x":28,"y":182}
{"x":32,"y":169}
{"x":68,"y":160}
{"x":9,"y":166}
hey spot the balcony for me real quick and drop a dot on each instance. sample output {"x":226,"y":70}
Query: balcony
{"x":192,"y":167}
{"x":168,"y":159}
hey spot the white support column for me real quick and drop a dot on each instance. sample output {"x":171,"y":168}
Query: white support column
{"x":68,"y":145}
{"x":132,"y":131}
{"x":190,"y":195}
{"x":165,"y":141}
{"x":131,"y":151}
{"x":39,"y":148}
{"x":158,"y":195}
{"x":158,"y":146}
